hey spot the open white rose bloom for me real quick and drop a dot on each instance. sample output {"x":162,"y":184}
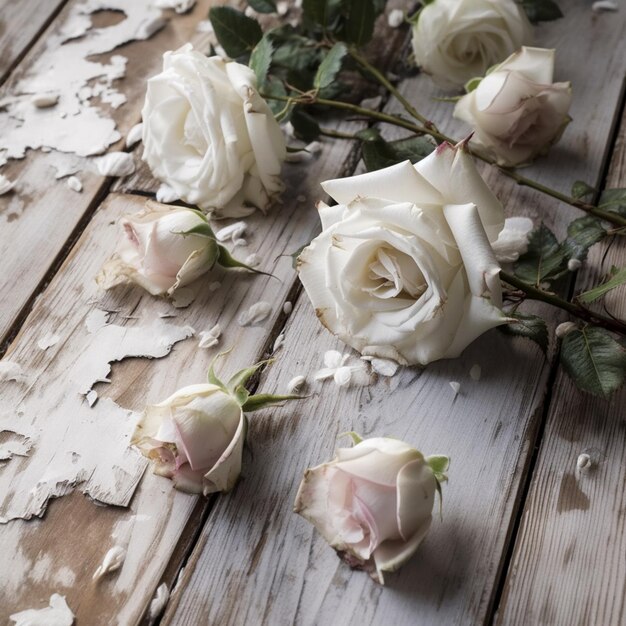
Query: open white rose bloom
{"x":404,"y":267}
{"x":155,"y":254}
{"x":516,"y":111}
{"x":373,"y":503}
{"x":195,"y":437}
{"x":455,"y":40}
{"x":209,"y":135}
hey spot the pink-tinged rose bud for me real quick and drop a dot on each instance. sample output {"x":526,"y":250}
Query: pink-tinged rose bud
{"x":195,"y":437}
{"x":517,"y":111}
{"x":154,"y":253}
{"x":373,"y":503}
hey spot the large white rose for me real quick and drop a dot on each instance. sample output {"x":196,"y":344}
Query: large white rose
{"x":373,"y":503}
{"x":455,"y":40}
{"x":404,"y":267}
{"x":517,"y":112}
{"x":209,"y":135}
{"x":195,"y":437}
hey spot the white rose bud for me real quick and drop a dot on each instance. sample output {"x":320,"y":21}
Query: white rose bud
{"x":516,"y":111}
{"x":455,"y":40}
{"x":195,"y":437}
{"x":154,"y":254}
{"x":404,"y":268}
{"x":209,"y":135}
{"x":373,"y":503}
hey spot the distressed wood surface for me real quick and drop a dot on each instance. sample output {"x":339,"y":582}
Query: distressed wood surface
{"x":254,"y":561}
{"x":20,"y":24}
{"x":43,"y":214}
{"x":568,"y":565}
{"x":273,"y":567}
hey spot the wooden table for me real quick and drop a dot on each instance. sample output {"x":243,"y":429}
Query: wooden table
{"x":524,"y":539}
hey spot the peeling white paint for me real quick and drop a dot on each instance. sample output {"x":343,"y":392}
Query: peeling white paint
{"x":11,"y":371}
{"x":111,"y":562}
{"x":48,"y":340}
{"x":56,"y":614}
{"x":455,"y":386}
{"x":134,"y":135}
{"x":13,"y":444}
{"x":159,"y":602}
{"x":210,"y":338}
{"x":115,"y":164}
{"x":67,"y":67}
{"x":278,"y":343}
{"x":73,"y":182}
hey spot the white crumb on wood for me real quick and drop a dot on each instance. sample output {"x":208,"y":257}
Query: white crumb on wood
{"x":56,"y":614}
{"x":157,"y":606}
{"x":278,"y":342}
{"x":384,"y":367}
{"x":253,"y":260}
{"x":115,"y":164}
{"x":583,"y":462}
{"x":73,"y":182}
{"x":395,"y":18}
{"x":574,"y":265}
{"x":296,"y":383}
{"x":210,"y":338}
{"x":45,"y":100}
{"x":134,"y":135}
{"x":48,"y":340}
{"x":112,"y":561}
{"x":91,"y":397}
{"x":215,"y":285}
{"x":455,"y":386}
{"x":475,"y":372}
{"x":256,"y":314}
{"x":287,"y":308}
{"x":233,"y":232}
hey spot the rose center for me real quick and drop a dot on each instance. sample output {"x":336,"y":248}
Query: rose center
{"x":394,"y":274}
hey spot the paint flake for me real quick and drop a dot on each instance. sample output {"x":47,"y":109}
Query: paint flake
{"x":11,"y":371}
{"x":134,"y":135}
{"x":5,"y":185}
{"x":159,"y":602}
{"x":256,"y":314}
{"x":48,"y":340}
{"x":56,"y":614}
{"x":210,"y":338}
{"x":295,"y":384}
{"x":112,"y":561}
{"x":74,"y":184}
{"x":115,"y":164}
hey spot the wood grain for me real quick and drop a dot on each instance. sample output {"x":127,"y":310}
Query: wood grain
{"x":20,"y":25}
{"x":44,"y":215}
{"x":568,"y":565}
{"x":268,"y":566}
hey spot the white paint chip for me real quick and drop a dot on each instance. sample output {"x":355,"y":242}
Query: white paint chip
{"x":604,"y":5}
{"x":583,"y":462}
{"x":134,"y":135}
{"x":475,"y":372}
{"x":210,"y":338}
{"x":278,"y":342}
{"x":215,"y":285}
{"x":14,"y":444}
{"x":159,"y":602}
{"x":112,"y":561}
{"x":74,"y":184}
{"x":48,"y":340}
{"x":10,"y":371}
{"x":295,"y":384}
{"x":56,"y":614}
{"x":232,"y":231}
{"x":256,"y":314}
{"x":115,"y":164}
{"x":338,"y":368}
{"x":574,"y":264}
{"x":383,"y":367}
{"x":5,"y":185}
{"x":253,"y":260}
{"x":180,"y":6}
{"x":395,"y":18}
{"x":287,"y":308}
{"x":45,"y":100}
{"x":91,"y":397}
{"x":166,"y":194}
{"x":183,"y":297}
{"x":456,"y":387}
{"x":564,"y":328}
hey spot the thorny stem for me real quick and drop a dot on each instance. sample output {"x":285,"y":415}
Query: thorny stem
{"x":430,"y":129}
{"x":534,"y":293}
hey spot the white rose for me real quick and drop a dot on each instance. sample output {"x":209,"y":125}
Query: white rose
{"x":517,"y":112}
{"x":195,"y":437}
{"x":404,"y":267}
{"x":455,"y":40}
{"x":373,"y":503}
{"x":208,"y":134}
{"x":155,"y":255}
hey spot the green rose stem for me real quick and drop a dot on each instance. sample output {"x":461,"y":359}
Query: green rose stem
{"x":533,"y":293}
{"x":310,"y":98}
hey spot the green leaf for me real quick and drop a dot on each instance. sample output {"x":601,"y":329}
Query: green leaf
{"x":261,"y":59}
{"x":529,"y":326}
{"x":544,"y":258}
{"x":439,"y":464}
{"x":541,"y":10}
{"x":582,"y":233}
{"x":616,"y":278}
{"x":225,"y":259}
{"x":330,"y":66}
{"x":274,"y":87}
{"x":211,"y":376}
{"x":241,"y":394}
{"x":378,"y":153}
{"x":204,"y":230}
{"x":263,"y":6}
{"x":594,"y":360}
{"x":304,"y":126}
{"x":360,"y":21}
{"x":243,"y":376}
{"x":262,"y":400}
{"x":296,"y":255}
{"x":471,"y":84}
{"x":237,"y":33}
{"x":613,"y":200}
{"x":580,"y":189}
{"x":320,"y":12}
{"x":356,"y":438}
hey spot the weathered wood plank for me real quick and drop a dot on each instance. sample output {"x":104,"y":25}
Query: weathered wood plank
{"x":268,"y":566}
{"x":43,"y":213}
{"x":568,"y":565}
{"x":20,"y":25}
